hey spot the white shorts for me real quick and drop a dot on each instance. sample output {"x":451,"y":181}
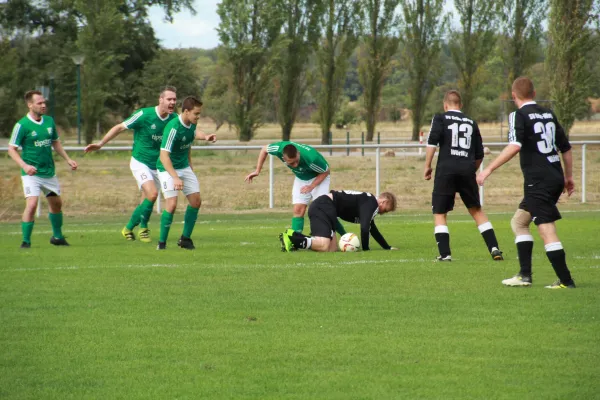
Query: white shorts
{"x":33,"y":185}
{"x":142,"y":173}
{"x":300,"y":198}
{"x":190,"y":182}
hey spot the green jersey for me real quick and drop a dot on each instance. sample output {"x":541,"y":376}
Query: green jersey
{"x":148,"y":129}
{"x":311,"y":163}
{"x":36,"y":137}
{"x":177,"y":140}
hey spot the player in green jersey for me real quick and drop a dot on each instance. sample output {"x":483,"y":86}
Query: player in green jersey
{"x":147,"y":125}
{"x":175,"y":171}
{"x":36,"y":134}
{"x":312,"y":176}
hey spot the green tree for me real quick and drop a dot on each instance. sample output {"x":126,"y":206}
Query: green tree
{"x":249,"y":31}
{"x":341,"y":26}
{"x":473,"y":44}
{"x":570,"y":40}
{"x":379,"y":46}
{"x":522,"y":28}
{"x":424,"y":24}
{"x":300,"y":34}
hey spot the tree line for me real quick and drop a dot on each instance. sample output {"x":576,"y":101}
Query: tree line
{"x":345,"y":60}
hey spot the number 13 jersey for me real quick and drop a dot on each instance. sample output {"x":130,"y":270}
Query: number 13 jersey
{"x":459,"y":140}
{"x":537,"y":131}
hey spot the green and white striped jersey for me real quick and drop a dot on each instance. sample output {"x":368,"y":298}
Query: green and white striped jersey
{"x":35,"y":138}
{"x":311,"y":163}
{"x":177,"y":140}
{"x":148,"y":127}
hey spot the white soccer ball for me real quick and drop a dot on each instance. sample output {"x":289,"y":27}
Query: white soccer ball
{"x":349,"y":242}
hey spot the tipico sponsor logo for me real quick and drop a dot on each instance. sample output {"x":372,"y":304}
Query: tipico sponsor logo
{"x":157,"y":138}
{"x":43,"y":143}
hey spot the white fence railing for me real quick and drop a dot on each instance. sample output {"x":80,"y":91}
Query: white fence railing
{"x":348,"y":147}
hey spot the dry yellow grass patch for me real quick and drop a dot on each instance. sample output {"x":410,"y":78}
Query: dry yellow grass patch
{"x":104,"y":184}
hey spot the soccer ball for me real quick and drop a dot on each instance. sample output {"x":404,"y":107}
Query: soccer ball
{"x":349,"y":242}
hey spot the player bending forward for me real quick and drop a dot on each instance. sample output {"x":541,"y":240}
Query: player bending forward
{"x":356,"y":207}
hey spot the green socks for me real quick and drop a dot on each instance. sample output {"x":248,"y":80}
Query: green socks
{"x":56,"y":220}
{"x":146,"y":207}
{"x":191,"y":215}
{"x":135,"y":218}
{"x":298,"y":224}
{"x":165,"y":224}
{"x":27,"y":228}
{"x":339,"y":228}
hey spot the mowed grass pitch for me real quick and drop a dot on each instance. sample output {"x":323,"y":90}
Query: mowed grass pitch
{"x":238,"y":319}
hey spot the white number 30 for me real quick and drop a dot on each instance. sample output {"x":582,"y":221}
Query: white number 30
{"x":547,"y":133}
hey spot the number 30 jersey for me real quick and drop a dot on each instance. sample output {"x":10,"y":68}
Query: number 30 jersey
{"x":537,"y":131}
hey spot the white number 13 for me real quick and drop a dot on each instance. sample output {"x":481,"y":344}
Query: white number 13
{"x":463,"y":142}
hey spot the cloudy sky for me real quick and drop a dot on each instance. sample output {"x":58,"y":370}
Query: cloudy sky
{"x":187,"y":30}
{"x":199,"y":30}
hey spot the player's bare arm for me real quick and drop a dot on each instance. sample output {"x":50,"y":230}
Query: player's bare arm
{"x":507,"y":154}
{"x":14,"y":154}
{"x":261,"y":161}
{"x":165,"y":159}
{"x":110,"y":135}
{"x":429,"y":153}
{"x":316,"y":182}
{"x":209,"y":137}
{"x":60,"y":150}
{"x":567,"y":157}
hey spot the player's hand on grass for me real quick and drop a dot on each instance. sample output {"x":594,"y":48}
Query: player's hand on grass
{"x":92,"y":147}
{"x":30,"y":169}
{"x":569,"y":186}
{"x":251,"y":176}
{"x":427,"y":173}
{"x":306,"y":189}
{"x":72,"y":164}
{"x":177,"y":184}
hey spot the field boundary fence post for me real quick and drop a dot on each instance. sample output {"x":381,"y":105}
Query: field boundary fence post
{"x":377,"y":169}
{"x":362,"y":142}
{"x":347,"y":142}
{"x":271,"y":183}
{"x":583,"y":148}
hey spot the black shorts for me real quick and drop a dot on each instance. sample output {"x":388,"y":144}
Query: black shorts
{"x":322,"y":216}
{"x":540,"y":201}
{"x":445,"y":188}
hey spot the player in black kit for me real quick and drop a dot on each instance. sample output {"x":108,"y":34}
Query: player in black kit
{"x":461,"y":153}
{"x":535,"y":132}
{"x":356,"y":207}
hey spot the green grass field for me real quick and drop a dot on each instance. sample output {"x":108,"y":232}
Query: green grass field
{"x":238,"y":319}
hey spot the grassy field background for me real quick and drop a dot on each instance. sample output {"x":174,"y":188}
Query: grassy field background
{"x":238,"y":319}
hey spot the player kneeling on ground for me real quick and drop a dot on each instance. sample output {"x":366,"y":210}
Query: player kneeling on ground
{"x":351,"y":206}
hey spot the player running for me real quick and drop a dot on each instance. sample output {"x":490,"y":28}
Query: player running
{"x":148,"y":125}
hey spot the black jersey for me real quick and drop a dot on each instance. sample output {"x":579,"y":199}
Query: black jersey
{"x":537,"y":131}
{"x":459,"y":140}
{"x":359,"y":208}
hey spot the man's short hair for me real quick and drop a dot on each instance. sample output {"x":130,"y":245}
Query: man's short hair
{"x":453,"y":97}
{"x":189,"y":103}
{"x":391,"y":199}
{"x":523,"y":88}
{"x":290,"y":151}
{"x":29,"y":95}
{"x":168,"y":89}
